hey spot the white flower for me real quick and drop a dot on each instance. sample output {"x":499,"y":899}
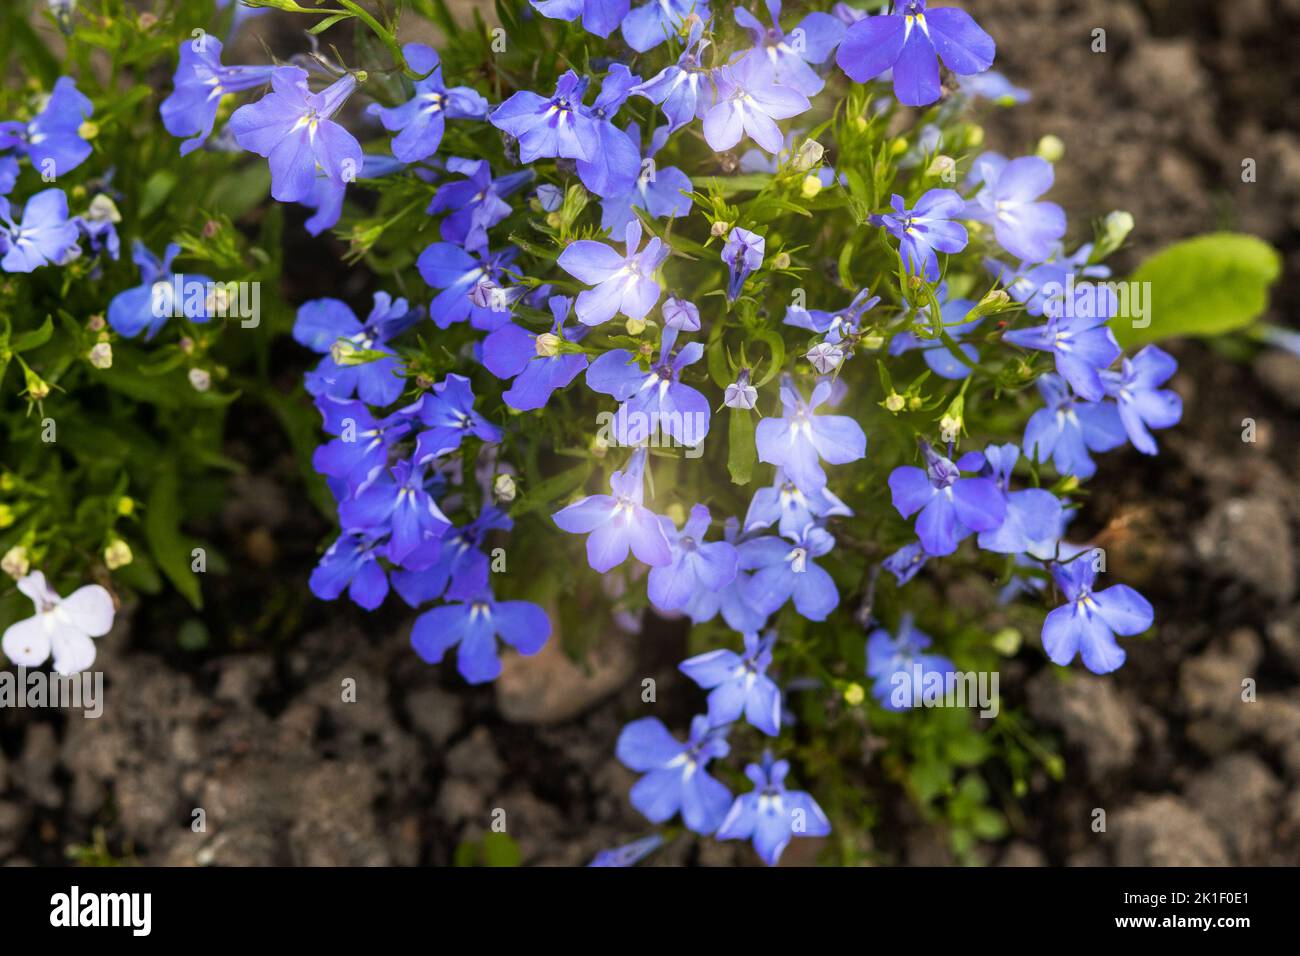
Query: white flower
{"x":62,"y":625}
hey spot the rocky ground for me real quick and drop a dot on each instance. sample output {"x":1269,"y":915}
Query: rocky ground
{"x":1185,"y":769}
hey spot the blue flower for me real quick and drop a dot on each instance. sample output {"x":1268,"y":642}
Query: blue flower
{"x":619,"y":522}
{"x":629,"y":854}
{"x":292,"y":127}
{"x":770,"y":814}
{"x":52,"y":140}
{"x":950,"y":506}
{"x":733,"y":600}
{"x":785,"y":506}
{"x":422,"y":119}
{"x":683,"y":90}
{"x":198,"y":85}
{"x":556,"y":126}
{"x":398,"y":501}
{"x":835,"y":326}
{"x":147,"y":307}
{"x":906,"y":563}
{"x":696,"y":564}
{"x":900,"y":671}
{"x":8,"y":174}
{"x":645,"y":27}
{"x":1033,"y":515}
{"x":467,"y":280}
{"x":787,"y":56}
{"x":1068,"y":428}
{"x":449,"y":412}
{"x":1078,"y":337}
{"x":992,"y":86}
{"x":623,"y":283}
{"x":1007,"y":201}
{"x":329,"y":327}
{"x":460,"y":570}
{"x":363,"y":440}
{"x":743,"y":253}
{"x":785,"y":570}
{"x":1089,"y":620}
{"x":476,"y":203}
{"x":45,"y":235}
{"x":739,"y":684}
{"x":534,"y":361}
{"x":936,"y":353}
{"x":910,"y":41}
{"x":615,"y":163}
{"x":656,"y":399}
{"x":1142,"y":403}
{"x":475,"y":625}
{"x":926,"y":230}
{"x":352,"y":562}
{"x":748,"y":102}
{"x":798,"y":441}
{"x":663,"y":193}
{"x":676,"y":777}
{"x":600,"y":17}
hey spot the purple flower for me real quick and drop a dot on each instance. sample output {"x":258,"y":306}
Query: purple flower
{"x":743,"y":253}
{"x":681,"y":314}
{"x":1033,"y":515}
{"x":784,"y":571}
{"x":908,"y":41}
{"x":733,"y":600}
{"x":785,"y":506}
{"x":292,"y":128}
{"x":475,"y":626}
{"x":681,"y":90}
{"x":44,"y":236}
{"x":941,"y":361}
{"x":798,"y":441}
{"x":951,"y":506}
{"x":835,"y":326}
{"x":1089,"y":620}
{"x":598,"y":16}
{"x":476,"y":203}
{"x":992,"y":86}
{"x":748,"y":101}
{"x":696,"y":564}
{"x":663,"y":193}
{"x":351,"y":562}
{"x":8,"y":174}
{"x":397,"y":501}
{"x":199,"y":83}
{"x":1078,"y":336}
{"x":653,"y":399}
{"x":52,"y":140}
{"x":770,"y":814}
{"x":459,"y":571}
{"x":676,"y":777}
{"x":362,"y":443}
{"x":449,"y":412}
{"x":615,"y":163}
{"x":423,"y":117}
{"x":906,"y":563}
{"x":147,"y":307}
{"x":899,"y":669}
{"x":534,"y":361}
{"x":645,"y":27}
{"x":330,"y":328}
{"x":629,"y":854}
{"x":467,"y":280}
{"x":1027,"y":229}
{"x":618,"y":522}
{"x":327,"y":196}
{"x":740,"y":393}
{"x":1143,"y":404}
{"x":623,"y":283}
{"x":926,"y":230}
{"x":555,"y":126}
{"x":1068,"y":428}
{"x":739,"y":684}
{"x":787,"y":56}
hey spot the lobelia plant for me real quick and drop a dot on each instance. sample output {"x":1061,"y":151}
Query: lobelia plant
{"x":745,"y":311}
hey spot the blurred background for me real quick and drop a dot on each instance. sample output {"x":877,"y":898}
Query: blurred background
{"x":241,"y":715}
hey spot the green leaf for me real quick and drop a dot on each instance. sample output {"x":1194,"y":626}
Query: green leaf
{"x":34,"y":339}
{"x":1204,"y":286}
{"x":742,"y":455}
{"x":553,"y":489}
{"x":156,"y":190}
{"x":162,"y":530}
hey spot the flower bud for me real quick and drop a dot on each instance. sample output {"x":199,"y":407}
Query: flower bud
{"x":200,"y":379}
{"x":943,"y":167}
{"x":810,"y":187}
{"x":634,"y":326}
{"x":1116,"y":227}
{"x":894,"y":402}
{"x":101,"y":355}
{"x":37,"y":387}
{"x":809,"y":155}
{"x":1050,"y":148}
{"x":975,"y":136}
{"x":6,"y":516}
{"x":740,"y":394}
{"x":96,"y":323}
{"x":504,"y":488}
{"x":15,"y":563}
{"x":676,"y":513}
{"x":719,"y":229}
{"x":781,"y":261}
{"x":547,"y":345}
{"x":854,"y":695}
{"x":88,"y":130}
{"x":824,"y":357}
{"x":118,"y":554}
{"x":126,"y":506}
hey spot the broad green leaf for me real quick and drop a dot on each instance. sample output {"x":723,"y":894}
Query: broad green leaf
{"x":1204,"y":286}
{"x":742,"y":455}
{"x":162,"y":530}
